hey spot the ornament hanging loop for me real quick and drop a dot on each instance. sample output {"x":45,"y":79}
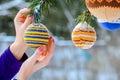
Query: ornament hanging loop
{"x":37,"y":14}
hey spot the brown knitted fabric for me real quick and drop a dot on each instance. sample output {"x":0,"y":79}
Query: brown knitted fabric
{"x":103,"y":3}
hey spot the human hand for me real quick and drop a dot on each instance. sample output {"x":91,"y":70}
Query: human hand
{"x":37,"y":61}
{"x":21,"y":22}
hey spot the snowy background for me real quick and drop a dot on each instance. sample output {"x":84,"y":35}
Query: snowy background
{"x":101,"y":62}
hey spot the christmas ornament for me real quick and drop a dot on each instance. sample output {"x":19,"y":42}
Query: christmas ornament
{"x":36,"y":35}
{"x":83,"y":36}
{"x":104,"y":9}
{"x":110,"y":25}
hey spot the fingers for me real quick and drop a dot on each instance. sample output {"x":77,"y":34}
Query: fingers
{"x":41,"y":56}
{"x":27,"y":22}
{"x":48,"y":57}
{"x":36,"y":55}
{"x":50,"y":50}
{"x":21,"y":15}
{"x":50,"y":46}
{"x":22,"y":18}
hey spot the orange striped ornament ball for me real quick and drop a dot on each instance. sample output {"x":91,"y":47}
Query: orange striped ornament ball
{"x":107,"y":10}
{"x":83,"y":36}
{"x":36,"y":35}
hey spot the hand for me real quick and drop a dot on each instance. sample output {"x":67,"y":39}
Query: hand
{"x":34,"y":63}
{"x":21,"y":22}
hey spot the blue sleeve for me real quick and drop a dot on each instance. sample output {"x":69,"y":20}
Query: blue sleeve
{"x":9,"y":65}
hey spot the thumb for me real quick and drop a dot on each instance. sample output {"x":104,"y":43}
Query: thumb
{"x":27,"y":22}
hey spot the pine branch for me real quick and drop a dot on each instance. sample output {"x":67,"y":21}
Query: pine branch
{"x":45,"y":4}
{"x":88,"y":17}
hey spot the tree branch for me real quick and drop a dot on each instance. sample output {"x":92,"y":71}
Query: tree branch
{"x":68,"y":15}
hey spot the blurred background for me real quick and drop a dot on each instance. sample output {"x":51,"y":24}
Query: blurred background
{"x":101,"y":62}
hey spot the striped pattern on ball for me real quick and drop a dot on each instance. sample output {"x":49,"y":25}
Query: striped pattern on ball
{"x":83,"y":36}
{"x":36,"y":35}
